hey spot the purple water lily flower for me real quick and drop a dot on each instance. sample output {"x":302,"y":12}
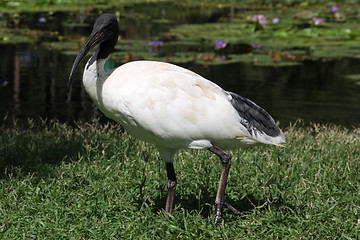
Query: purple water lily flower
{"x":275,"y":20}
{"x":42,"y":20}
{"x":156,"y":44}
{"x":220,"y":44}
{"x":256,"y":46}
{"x":261,"y":19}
{"x":334,"y":9}
{"x":317,"y":21}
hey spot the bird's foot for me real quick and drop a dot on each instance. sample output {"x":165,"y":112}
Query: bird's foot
{"x":219,"y":207}
{"x":231,"y":208}
{"x":218,"y":211}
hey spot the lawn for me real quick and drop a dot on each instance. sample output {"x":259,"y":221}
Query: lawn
{"x":91,"y":181}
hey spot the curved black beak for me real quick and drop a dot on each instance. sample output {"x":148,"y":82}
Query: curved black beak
{"x":105,"y":29}
{"x":91,"y":42}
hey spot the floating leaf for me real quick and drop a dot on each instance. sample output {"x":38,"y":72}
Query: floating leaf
{"x":353,"y":77}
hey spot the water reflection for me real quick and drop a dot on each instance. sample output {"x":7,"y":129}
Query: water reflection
{"x":16,"y":81}
{"x":315,"y":91}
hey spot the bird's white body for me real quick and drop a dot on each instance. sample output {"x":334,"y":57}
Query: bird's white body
{"x":169,"y":106}
{"x":172,"y":108}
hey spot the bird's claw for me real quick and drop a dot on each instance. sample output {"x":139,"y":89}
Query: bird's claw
{"x":231,"y":208}
{"x":218,"y":211}
{"x":219,"y":207}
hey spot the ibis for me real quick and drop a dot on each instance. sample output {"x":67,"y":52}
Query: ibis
{"x":172,"y":108}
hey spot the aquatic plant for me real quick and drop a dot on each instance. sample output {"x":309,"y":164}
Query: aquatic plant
{"x":261,"y":19}
{"x":334,"y":9}
{"x":275,"y":20}
{"x":295,"y":28}
{"x":156,"y":44}
{"x":42,"y":20}
{"x":220,"y":44}
{"x":255,"y":46}
{"x":318,"y":21}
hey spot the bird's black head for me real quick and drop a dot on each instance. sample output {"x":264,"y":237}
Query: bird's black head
{"x":105,"y":32}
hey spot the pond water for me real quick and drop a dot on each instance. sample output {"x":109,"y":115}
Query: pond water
{"x":33,"y":77}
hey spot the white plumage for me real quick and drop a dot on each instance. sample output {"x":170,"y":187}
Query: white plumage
{"x":171,"y":107}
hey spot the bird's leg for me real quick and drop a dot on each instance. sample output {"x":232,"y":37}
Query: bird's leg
{"x":225,"y":158}
{"x":171,"y":186}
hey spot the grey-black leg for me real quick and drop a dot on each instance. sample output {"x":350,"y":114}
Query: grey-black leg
{"x":220,"y":203}
{"x":171,"y":186}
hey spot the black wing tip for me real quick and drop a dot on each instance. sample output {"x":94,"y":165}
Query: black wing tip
{"x":255,"y":117}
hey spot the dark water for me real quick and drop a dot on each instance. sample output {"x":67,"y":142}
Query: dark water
{"x":33,"y":79}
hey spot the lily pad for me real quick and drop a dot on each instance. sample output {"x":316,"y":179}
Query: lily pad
{"x":353,"y":77}
{"x":334,"y":52}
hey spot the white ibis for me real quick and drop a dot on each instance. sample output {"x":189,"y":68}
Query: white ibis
{"x":172,"y":107}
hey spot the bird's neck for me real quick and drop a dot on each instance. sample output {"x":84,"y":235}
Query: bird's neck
{"x":94,"y":74}
{"x":94,"y":77}
{"x":106,"y":48}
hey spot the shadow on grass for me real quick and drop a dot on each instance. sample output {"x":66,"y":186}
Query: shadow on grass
{"x":205,"y":205}
{"x":36,"y":150}
{"x":37,"y":160}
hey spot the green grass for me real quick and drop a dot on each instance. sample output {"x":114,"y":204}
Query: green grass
{"x":92,"y":182}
